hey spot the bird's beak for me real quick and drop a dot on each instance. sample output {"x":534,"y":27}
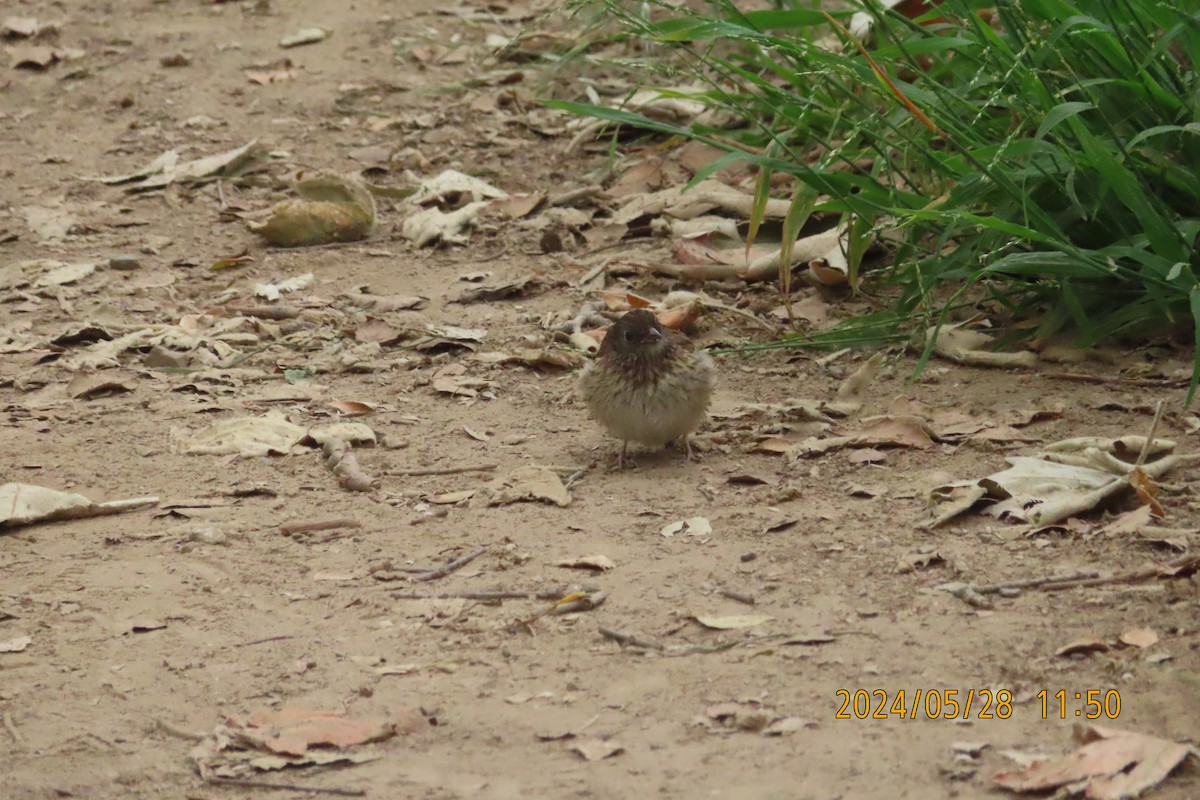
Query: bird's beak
{"x":653,"y":336}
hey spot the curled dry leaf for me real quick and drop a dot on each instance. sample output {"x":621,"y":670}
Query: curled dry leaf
{"x":352,"y":408}
{"x":1082,"y":646}
{"x":89,"y":386}
{"x":965,"y":346}
{"x":531,"y":483}
{"x":431,"y":225}
{"x":692,"y":526}
{"x":597,"y":563}
{"x":25,"y":503}
{"x":595,"y":749}
{"x":166,"y":169}
{"x":16,"y":645}
{"x":248,"y":437}
{"x":304,"y":36}
{"x":1139,"y":637}
{"x":1112,"y":765}
{"x":335,"y":208}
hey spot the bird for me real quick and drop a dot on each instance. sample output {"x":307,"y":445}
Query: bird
{"x":646,"y":384}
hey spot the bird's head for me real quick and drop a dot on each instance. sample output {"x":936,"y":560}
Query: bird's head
{"x":638,"y":332}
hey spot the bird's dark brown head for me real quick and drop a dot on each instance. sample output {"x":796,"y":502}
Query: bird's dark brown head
{"x":638,"y":332}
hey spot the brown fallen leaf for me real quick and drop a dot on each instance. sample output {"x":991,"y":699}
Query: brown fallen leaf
{"x":88,"y":386}
{"x":1114,"y":764}
{"x":595,"y":749}
{"x":291,"y":731}
{"x":1082,"y":646}
{"x":597,"y":563}
{"x":351,"y":408}
{"x":373,"y":329}
{"x":1139,"y":637}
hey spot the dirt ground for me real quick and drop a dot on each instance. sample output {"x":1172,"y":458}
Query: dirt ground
{"x":152,"y":627}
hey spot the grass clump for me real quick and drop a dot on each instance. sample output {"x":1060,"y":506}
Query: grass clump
{"x":1044,"y":152}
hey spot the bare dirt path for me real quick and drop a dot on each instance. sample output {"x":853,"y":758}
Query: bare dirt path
{"x":150,"y":625}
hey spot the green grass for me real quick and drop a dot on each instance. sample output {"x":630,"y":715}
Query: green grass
{"x":1047,"y":162}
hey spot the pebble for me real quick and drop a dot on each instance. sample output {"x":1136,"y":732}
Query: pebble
{"x":124,"y":262}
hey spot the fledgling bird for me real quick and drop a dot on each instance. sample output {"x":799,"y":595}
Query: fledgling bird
{"x":646,"y":385}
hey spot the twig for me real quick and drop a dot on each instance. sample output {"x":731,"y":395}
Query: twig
{"x":288,"y":528}
{"x":1158,"y":413}
{"x":569,"y":197}
{"x":532,"y":594}
{"x":11,"y":727}
{"x":443,"y":470}
{"x":592,"y":273}
{"x":629,"y":639}
{"x":1135,"y":575}
{"x":457,"y":563}
{"x":287,"y":787}
{"x":574,"y":477}
{"x":1146,"y":383}
{"x":1055,"y":583}
{"x":264,"y":641}
{"x":738,"y":596}
{"x":1036,"y":583}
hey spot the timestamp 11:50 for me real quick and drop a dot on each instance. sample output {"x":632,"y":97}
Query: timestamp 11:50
{"x":1097,"y":704}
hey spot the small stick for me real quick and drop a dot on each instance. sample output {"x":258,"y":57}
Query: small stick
{"x":1158,"y":413}
{"x":287,"y":787}
{"x":11,"y":727}
{"x":288,"y":528}
{"x":738,"y":596}
{"x":592,"y":273}
{"x":1134,"y":575}
{"x":1145,"y":383}
{"x":264,"y":641}
{"x":532,"y":594}
{"x":629,"y":639}
{"x":1035,"y":583}
{"x":569,"y":197}
{"x":443,"y":470}
{"x":276,"y":313}
{"x":457,"y":563}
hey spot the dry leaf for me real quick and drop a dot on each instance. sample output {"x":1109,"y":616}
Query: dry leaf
{"x":16,"y":645}
{"x":1082,"y":646}
{"x":734,"y":621}
{"x":351,"y":408}
{"x":528,"y":483}
{"x":1112,"y":764}
{"x":595,"y":749}
{"x":291,"y":731}
{"x":597,"y":563}
{"x":84,"y":386}
{"x":24,"y":503}
{"x":1139,"y":637}
{"x":248,"y":437}
{"x":304,"y":36}
{"x":692,"y":526}
{"x":335,"y":208}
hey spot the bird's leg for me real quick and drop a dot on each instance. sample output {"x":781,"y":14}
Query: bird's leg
{"x":687,"y":444}
{"x":621,"y":455}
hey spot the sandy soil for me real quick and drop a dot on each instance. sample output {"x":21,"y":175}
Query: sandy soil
{"x":150,"y":626}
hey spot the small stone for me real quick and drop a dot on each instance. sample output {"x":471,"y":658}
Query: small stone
{"x":124,"y":262}
{"x":748,"y":557}
{"x":175,"y":60}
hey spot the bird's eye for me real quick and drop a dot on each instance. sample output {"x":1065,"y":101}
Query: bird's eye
{"x":630,"y":336}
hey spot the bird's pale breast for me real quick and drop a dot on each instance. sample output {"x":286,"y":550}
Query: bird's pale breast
{"x":650,"y":412}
